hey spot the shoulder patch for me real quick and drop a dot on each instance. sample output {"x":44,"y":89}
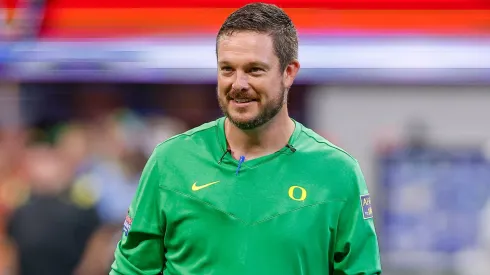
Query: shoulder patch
{"x":127,"y":224}
{"x":367,"y":210}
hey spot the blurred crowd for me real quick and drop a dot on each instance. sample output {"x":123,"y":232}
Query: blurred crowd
{"x":65,"y":190}
{"x":71,"y":155}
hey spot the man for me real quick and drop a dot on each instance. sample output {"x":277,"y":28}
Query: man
{"x":254,"y":192}
{"x":51,"y":229}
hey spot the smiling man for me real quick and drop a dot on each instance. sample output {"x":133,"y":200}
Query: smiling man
{"x":253,"y":192}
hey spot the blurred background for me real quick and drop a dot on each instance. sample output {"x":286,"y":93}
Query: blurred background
{"x":88,"y":88}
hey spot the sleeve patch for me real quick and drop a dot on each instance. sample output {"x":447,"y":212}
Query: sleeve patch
{"x":127,"y":225}
{"x":367,"y":210}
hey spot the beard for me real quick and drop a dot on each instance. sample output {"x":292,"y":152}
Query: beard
{"x":266,"y":113}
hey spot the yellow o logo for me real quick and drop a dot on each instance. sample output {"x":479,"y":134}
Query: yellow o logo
{"x":291,"y":193}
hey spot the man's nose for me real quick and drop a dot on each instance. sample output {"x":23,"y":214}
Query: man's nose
{"x":241,"y":82}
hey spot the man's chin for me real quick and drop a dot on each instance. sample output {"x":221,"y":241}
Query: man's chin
{"x":244,"y":122}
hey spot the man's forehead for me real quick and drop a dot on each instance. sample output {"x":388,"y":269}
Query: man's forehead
{"x":246,"y":44}
{"x":248,"y":38}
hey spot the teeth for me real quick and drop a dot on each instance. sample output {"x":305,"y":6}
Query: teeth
{"x":242,"y":100}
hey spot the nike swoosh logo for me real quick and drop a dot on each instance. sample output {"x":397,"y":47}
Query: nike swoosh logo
{"x":195,"y":187}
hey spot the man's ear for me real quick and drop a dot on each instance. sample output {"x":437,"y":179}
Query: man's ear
{"x":290,"y":73}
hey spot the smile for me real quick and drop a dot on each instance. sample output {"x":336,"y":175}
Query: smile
{"x":243,"y":100}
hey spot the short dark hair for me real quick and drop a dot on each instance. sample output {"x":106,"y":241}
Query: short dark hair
{"x":268,"y":19}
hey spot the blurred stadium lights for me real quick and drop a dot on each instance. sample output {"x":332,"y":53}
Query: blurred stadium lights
{"x":323,"y":60}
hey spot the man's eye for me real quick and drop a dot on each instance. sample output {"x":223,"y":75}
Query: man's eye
{"x":226,"y":69}
{"x":256,"y":69}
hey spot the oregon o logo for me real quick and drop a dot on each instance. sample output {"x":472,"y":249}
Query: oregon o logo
{"x":296,"y":198}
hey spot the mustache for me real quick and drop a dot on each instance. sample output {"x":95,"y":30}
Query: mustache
{"x":235,"y":94}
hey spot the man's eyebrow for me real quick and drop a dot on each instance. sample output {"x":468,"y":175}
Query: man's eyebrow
{"x":250,"y":64}
{"x":223,"y":62}
{"x":258,"y":64}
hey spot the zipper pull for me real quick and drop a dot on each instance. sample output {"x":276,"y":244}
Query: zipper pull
{"x":240,"y":161}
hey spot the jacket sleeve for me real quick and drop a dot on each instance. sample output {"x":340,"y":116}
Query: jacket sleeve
{"x":356,"y":245}
{"x":141,"y":250}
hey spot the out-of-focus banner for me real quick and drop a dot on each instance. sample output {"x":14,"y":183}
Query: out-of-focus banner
{"x":109,"y":18}
{"x":410,"y":41}
{"x":332,"y":60}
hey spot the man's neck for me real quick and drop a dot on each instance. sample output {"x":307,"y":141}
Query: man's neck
{"x":264,"y":140}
